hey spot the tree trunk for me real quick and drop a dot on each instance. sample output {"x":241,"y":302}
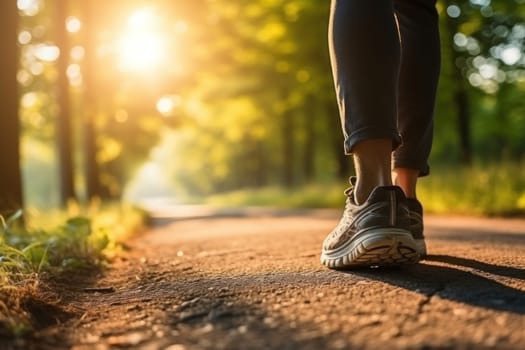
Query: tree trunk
{"x":500,"y":135}
{"x":92,"y":173}
{"x":463,"y":115}
{"x":309,"y":146}
{"x":261,"y":172}
{"x":288,"y":128}
{"x":10,"y":177}
{"x":460,"y":97}
{"x":64,"y":132}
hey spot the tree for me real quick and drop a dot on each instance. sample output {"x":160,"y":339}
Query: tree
{"x":262,"y":51}
{"x":63,"y":121}
{"x":483,"y":41}
{"x":460,"y":92}
{"x":92,"y":171}
{"x":10,"y":178}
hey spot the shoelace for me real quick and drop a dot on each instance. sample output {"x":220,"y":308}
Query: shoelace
{"x":345,"y":219}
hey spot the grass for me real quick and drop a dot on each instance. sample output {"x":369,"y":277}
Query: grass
{"x":50,"y":244}
{"x":487,"y":190}
{"x":310,"y":196}
{"x":496,"y":189}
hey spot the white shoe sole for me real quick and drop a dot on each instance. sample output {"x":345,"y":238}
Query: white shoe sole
{"x":374,"y":247}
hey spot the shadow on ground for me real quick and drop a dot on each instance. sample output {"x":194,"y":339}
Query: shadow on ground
{"x":473,"y":286}
{"x":494,"y":269}
{"x":489,"y":235}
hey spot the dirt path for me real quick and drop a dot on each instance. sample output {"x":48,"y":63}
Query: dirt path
{"x":256,"y":283}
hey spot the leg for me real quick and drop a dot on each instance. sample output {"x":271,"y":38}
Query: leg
{"x":406,"y":178}
{"x":372,"y":163}
{"x":364,"y":48}
{"x":364,"y":51}
{"x":419,"y":72}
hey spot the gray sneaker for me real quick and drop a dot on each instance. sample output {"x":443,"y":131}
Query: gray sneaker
{"x":376,"y":233}
{"x":416,"y":225}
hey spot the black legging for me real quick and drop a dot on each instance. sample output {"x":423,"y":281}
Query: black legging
{"x":386,"y":59}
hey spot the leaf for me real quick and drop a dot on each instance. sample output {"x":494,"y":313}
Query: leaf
{"x":35,"y":255}
{"x":99,"y":242}
{"x":17,"y":215}
{"x":79,"y":226}
{"x":73,"y":263}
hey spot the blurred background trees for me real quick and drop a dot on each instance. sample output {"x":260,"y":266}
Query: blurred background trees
{"x":181,"y":98}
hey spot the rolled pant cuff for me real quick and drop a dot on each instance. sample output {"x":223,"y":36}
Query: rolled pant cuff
{"x":370,"y":134}
{"x":424,"y":169}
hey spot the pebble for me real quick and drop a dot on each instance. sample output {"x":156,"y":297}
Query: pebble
{"x":175,"y":347}
{"x":459,"y":312}
{"x":127,"y":339}
{"x":501,"y":320}
{"x":207,"y":328}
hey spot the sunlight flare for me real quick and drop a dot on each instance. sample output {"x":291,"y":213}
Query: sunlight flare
{"x":142,"y":47}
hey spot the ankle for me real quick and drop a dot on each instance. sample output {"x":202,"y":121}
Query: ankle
{"x":372,"y":162}
{"x":407,"y":180}
{"x":363,"y":189}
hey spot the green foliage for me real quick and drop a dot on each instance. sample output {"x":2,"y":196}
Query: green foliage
{"x":78,"y":241}
{"x":480,"y":189}
{"x":25,"y":252}
{"x":277,"y":101}
{"x":253,"y":127}
{"x":309,"y":196}
{"x":254,"y":98}
{"x":482,"y":40}
{"x":41,"y":247}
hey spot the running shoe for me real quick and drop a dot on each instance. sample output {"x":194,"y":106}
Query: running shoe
{"x":375,"y":233}
{"x":416,"y":225}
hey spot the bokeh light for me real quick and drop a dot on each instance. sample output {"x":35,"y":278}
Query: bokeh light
{"x":29,"y":7}
{"x":73,"y":24}
{"x":166,"y":104}
{"x":24,"y":37}
{"x":47,"y":53}
{"x":511,"y":55}
{"x":453,"y":11}
{"x":74,"y":74}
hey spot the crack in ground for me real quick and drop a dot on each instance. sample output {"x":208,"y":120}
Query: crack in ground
{"x":428,"y":296}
